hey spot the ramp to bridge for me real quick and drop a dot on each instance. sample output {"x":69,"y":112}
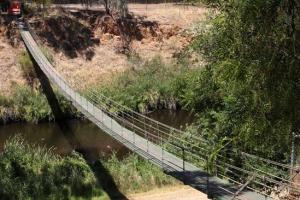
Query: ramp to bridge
{"x":173,"y":165}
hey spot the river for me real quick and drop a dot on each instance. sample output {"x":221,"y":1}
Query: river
{"x":90,"y":138}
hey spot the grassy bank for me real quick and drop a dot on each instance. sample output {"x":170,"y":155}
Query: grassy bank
{"x":30,"y":105}
{"x":150,"y":85}
{"x":37,"y":173}
{"x":32,"y":172}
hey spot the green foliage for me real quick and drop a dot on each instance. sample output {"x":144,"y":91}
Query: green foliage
{"x":33,"y":172}
{"x":142,"y":174}
{"x":31,"y":105}
{"x":27,"y":67}
{"x":253,"y":54}
{"x":147,"y":86}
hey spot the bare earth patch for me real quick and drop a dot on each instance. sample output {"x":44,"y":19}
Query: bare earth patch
{"x":172,"y":193}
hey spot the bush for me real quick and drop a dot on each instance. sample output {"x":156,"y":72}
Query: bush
{"x":33,"y":172}
{"x":31,"y":105}
{"x":252,"y":48}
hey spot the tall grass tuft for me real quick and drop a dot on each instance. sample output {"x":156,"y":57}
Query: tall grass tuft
{"x":33,"y":172}
{"x":31,"y":105}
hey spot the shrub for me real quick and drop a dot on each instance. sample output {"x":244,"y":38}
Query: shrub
{"x":31,"y":105}
{"x":33,"y":172}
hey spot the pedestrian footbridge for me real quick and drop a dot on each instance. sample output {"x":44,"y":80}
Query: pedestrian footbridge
{"x":178,"y":153}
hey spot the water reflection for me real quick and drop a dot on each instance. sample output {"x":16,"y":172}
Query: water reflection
{"x":92,"y":139}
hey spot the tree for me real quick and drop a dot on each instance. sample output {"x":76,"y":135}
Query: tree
{"x":116,"y":7}
{"x":253,"y":52}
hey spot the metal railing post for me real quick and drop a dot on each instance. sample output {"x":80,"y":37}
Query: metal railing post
{"x":183,"y":160}
{"x":122,"y":124}
{"x":87,"y":105}
{"x":207,"y":176}
{"x":133,"y":134}
{"x":158,"y":135}
{"x":146,"y":135}
{"x":293,"y":156}
{"x":102,"y":115}
{"x":111,"y":123}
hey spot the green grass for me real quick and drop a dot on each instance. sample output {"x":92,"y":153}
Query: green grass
{"x":145,"y":87}
{"x":30,"y":105}
{"x":27,"y":67}
{"x":33,"y":172}
{"x":134,"y":174}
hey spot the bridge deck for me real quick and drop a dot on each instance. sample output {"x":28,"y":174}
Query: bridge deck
{"x":172,"y":164}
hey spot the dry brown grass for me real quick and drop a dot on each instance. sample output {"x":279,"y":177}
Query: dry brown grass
{"x":10,"y":72}
{"x":178,"y":15}
{"x":106,"y":62}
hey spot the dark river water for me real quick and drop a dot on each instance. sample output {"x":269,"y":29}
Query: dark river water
{"x":91,"y":139}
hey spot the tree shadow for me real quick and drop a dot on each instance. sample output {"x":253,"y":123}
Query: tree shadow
{"x":66,"y":34}
{"x":102,"y":175}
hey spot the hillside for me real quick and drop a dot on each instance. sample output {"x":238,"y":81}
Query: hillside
{"x":91,"y":56}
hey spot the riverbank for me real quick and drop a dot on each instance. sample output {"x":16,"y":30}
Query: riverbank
{"x":24,"y":168}
{"x":147,"y":86}
{"x":29,"y":104}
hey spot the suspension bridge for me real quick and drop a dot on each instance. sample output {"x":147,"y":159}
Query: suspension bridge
{"x":178,"y":153}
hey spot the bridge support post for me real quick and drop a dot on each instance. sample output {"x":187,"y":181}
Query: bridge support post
{"x":293,"y":152}
{"x":207,"y":177}
{"x":183,"y":166}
